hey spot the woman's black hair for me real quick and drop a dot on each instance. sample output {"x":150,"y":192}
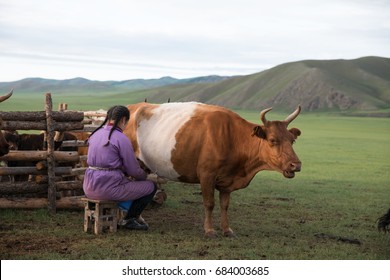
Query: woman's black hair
{"x":115,"y":113}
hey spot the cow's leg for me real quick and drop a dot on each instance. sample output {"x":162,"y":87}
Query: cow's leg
{"x":208,"y":203}
{"x":224,"y":199}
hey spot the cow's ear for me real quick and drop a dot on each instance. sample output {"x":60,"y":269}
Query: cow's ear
{"x":296,"y":132}
{"x":259,"y":132}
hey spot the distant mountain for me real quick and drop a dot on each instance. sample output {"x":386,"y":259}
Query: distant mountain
{"x":318,"y":85}
{"x":40,"y":85}
{"x":164,"y":81}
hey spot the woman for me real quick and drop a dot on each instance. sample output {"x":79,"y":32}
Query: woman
{"x":112,"y":161}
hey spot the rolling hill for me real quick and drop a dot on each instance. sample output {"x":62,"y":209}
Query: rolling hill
{"x":80,"y":85}
{"x":318,"y":85}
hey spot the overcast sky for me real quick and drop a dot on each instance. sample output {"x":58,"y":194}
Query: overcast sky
{"x":126,"y":39}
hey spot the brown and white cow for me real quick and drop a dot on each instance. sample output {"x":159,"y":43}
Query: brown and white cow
{"x":198,"y":143}
{"x":4,"y":147}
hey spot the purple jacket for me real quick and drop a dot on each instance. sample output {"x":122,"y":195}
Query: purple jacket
{"x":119,"y":157}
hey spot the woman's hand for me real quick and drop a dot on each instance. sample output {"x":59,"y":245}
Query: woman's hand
{"x":156,"y":179}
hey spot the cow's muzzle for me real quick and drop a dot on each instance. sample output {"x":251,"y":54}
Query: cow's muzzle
{"x":293,"y":167}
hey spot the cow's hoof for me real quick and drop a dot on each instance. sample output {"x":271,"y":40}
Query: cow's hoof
{"x":229,"y":234}
{"x":211,"y":234}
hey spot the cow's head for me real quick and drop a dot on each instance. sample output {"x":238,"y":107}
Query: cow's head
{"x":12,"y":138}
{"x":4,"y":147}
{"x":276,"y":149}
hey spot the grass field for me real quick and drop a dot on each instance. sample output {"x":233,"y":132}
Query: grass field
{"x":83,"y":101}
{"x":328,"y":211}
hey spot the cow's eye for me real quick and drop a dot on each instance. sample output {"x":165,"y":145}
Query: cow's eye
{"x":273,"y":141}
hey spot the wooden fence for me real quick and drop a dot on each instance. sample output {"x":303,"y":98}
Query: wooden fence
{"x":48,"y":121}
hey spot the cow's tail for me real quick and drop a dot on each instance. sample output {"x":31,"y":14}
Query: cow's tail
{"x":384,"y":222}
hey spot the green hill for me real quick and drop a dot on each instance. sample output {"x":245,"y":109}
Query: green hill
{"x":318,"y":85}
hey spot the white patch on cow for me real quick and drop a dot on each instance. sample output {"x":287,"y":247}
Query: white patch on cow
{"x":156,"y":136}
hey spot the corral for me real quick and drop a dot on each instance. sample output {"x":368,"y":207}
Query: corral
{"x":50,"y":187}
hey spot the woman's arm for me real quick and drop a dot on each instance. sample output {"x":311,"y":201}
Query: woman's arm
{"x":131,"y":166}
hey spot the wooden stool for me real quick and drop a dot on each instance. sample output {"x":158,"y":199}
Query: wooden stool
{"x":100,"y":213}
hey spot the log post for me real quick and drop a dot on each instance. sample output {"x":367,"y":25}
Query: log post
{"x":62,"y":107}
{"x":51,"y":194}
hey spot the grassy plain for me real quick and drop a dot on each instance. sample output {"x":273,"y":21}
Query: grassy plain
{"x":83,"y":101}
{"x":328,"y":211}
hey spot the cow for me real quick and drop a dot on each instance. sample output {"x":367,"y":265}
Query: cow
{"x":4,"y":147}
{"x":37,"y":142}
{"x":212,"y":146}
{"x":12,"y":138}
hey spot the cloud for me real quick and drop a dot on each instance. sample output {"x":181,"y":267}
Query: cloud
{"x":183,"y":38}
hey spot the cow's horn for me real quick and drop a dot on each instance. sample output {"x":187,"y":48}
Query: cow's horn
{"x":5,"y":97}
{"x":292,"y":117}
{"x":262,"y":115}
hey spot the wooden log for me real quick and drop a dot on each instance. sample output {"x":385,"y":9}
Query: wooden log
{"x":24,"y":125}
{"x":43,"y":179}
{"x":23,"y":116}
{"x":87,"y":121}
{"x":64,"y":156}
{"x":17,"y":188}
{"x":68,"y":116}
{"x":78,"y":171}
{"x":95,"y":114}
{"x":24,"y":203}
{"x":14,"y":188}
{"x":51,"y":196}
{"x":74,"y":143}
{"x":32,"y":170}
{"x":72,"y":202}
{"x":59,"y":156}
{"x":41,"y":165}
{"x":69,"y":185}
{"x":64,"y":126}
{"x":41,"y":125}
{"x":87,"y":128}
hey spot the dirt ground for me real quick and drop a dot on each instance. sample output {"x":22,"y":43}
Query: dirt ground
{"x":34,"y":234}
{"x":268,"y":226}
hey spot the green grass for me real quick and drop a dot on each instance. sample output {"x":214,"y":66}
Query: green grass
{"x":82,"y":101}
{"x":344,"y":186}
